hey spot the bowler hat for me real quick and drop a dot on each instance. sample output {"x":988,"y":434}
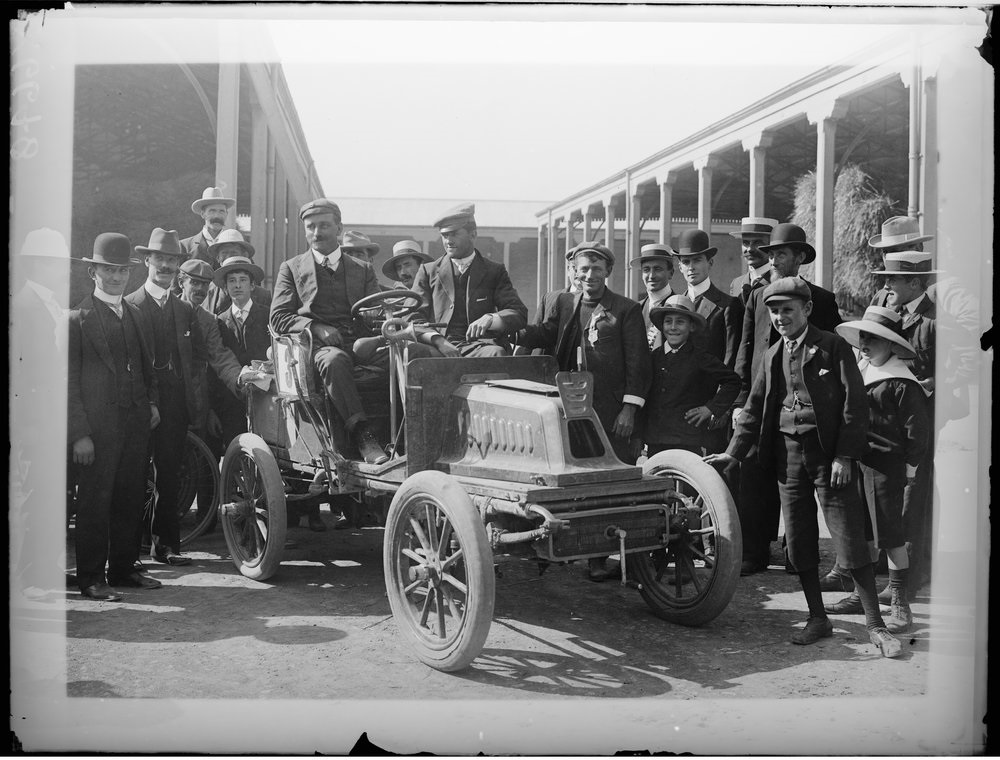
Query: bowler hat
{"x":676,"y":304}
{"x":163,"y":241}
{"x":880,"y":321}
{"x":359,"y":241}
{"x":787,"y":289}
{"x":210,"y":196}
{"x":906,"y":262}
{"x":231,"y":237}
{"x":595,"y":249}
{"x":197,"y":269}
{"x":755,"y":226}
{"x":112,"y":248}
{"x":694,"y":243}
{"x":899,"y":230}
{"x":319,"y":206}
{"x":237,"y":264}
{"x":792,"y":236}
{"x":457,"y":217}
{"x":402,"y":250}
{"x":654,"y":252}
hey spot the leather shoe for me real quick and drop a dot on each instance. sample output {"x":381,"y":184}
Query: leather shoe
{"x":168,"y":556}
{"x":316,"y":524}
{"x":368,"y":447}
{"x":816,"y":628}
{"x":834,"y":581}
{"x":101,"y":592}
{"x":849,"y":605}
{"x":134,"y":579}
{"x":886,"y":642}
{"x":751,"y":567}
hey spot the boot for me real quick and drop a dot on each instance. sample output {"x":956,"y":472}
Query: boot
{"x":849,"y":605}
{"x":885,"y":595}
{"x":900,"y":618}
{"x":368,"y":447}
{"x":838,"y":579}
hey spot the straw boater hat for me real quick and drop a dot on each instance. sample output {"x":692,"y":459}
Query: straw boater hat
{"x":899,"y":230}
{"x":597,"y":249}
{"x":695,"y":243}
{"x":793,"y":236}
{"x":654,"y":252}
{"x":401,"y":250}
{"x":231,"y":237}
{"x":237,"y":264}
{"x":210,"y":196}
{"x":906,"y":262}
{"x":113,"y":249}
{"x":678,"y":304}
{"x":457,"y":217}
{"x":880,"y":321}
{"x":755,"y":226}
{"x":43,"y":244}
{"x":197,"y":269}
{"x":358,"y":241}
{"x":163,"y":241}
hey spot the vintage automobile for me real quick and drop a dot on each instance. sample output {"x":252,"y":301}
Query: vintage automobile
{"x":491,"y":459}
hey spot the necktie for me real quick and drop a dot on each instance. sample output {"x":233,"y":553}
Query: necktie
{"x":791,"y":345}
{"x":162,"y":300}
{"x":117,"y":309}
{"x":697,"y":301}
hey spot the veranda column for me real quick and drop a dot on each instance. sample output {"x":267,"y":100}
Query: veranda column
{"x":280,"y":203}
{"x":912,"y":81}
{"x":667,"y":207}
{"x":609,"y":228}
{"x":271,"y":194}
{"x":757,"y":146}
{"x":540,"y":265}
{"x":552,"y":254}
{"x":929,"y":165}
{"x":633,"y":276}
{"x":292,"y":225}
{"x":258,"y":192}
{"x":585,"y":226}
{"x":825,"y":118}
{"x":704,"y":167}
{"x":227,"y":134}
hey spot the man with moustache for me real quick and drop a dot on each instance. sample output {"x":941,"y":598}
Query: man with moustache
{"x":213,"y":208}
{"x":755,"y":231}
{"x":407,"y":257}
{"x":112,"y":407}
{"x":657,"y":263}
{"x":758,"y":497}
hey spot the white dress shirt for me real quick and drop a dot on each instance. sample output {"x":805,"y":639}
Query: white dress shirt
{"x":331,"y":261}
{"x":114,"y":302}
{"x":159,"y":294}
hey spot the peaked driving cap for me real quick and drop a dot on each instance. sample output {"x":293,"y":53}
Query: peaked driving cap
{"x":792,"y":236}
{"x":112,"y":248}
{"x":197,"y":269}
{"x":359,"y":241}
{"x":319,"y":206}
{"x":163,"y":241}
{"x":755,"y":226}
{"x":596,"y":249}
{"x":694,"y":243}
{"x":210,"y":196}
{"x":231,"y":237}
{"x":402,"y":250}
{"x":906,"y":262}
{"x":880,"y":321}
{"x":654,"y":252}
{"x":787,"y":289}
{"x":899,"y":230}
{"x":676,"y":304}
{"x":237,"y":264}
{"x":457,"y":217}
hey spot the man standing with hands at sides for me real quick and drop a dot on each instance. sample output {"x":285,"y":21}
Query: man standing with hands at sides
{"x":755,"y":231}
{"x":112,"y":407}
{"x":470,"y":294}
{"x":657,"y":264}
{"x":808,"y":417}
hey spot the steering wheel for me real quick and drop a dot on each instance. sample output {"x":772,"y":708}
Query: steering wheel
{"x":395,"y":303}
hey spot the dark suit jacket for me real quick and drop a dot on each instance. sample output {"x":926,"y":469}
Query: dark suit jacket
{"x":619,"y":358}
{"x":758,"y":334}
{"x":490,"y":291}
{"x":220,"y":380}
{"x":218,"y":299}
{"x":740,"y":287}
{"x":693,"y":378}
{"x":831,"y":374}
{"x":197,"y":248}
{"x":919,"y":328}
{"x":256,"y":337}
{"x":721,"y":337}
{"x":295,"y":290}
{"x":92,"y":383}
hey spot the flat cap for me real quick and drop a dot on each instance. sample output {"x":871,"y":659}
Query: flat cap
{"x":457,"y":217}
{"x":319,"y":206}
{"x":595,"y":249}
{"x":197,"y":269}
{"x":787,"y":289}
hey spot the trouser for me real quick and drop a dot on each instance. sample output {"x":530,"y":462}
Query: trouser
{"x":110,"y":497}
{"x":918,"y":519}
{"x":476,"y":348}
{"x":336,"y":369}
{"x":759,"y":508}
{"x":168,"y":454}
{"x":803,"y":473}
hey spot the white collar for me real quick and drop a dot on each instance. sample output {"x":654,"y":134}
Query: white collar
{"x":332,"y":258}
{"x":758,"y":272}
{"x":911,"y":306}
{"x":667,"y":349}
{"x":463,"y":264}
{"x":654,"y":296}
{"x":208,"y":236}
{"x":796,"y":342}
{"x":893,"y":368}
{"x":110,"y":300}
{"x":696,"y":290}
{"x":155,"y":290}
{"x":241,"y":313}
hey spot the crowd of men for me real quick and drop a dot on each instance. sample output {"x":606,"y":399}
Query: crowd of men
{"x":758,"y":376}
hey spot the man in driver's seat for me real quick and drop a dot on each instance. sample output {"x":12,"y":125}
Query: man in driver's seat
{"x":315,"y":291}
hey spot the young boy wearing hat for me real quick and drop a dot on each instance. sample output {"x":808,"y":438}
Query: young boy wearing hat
{"x":657,"y":265}
{"x":807,"y":415}
{"x":691,"y":388}
{"x":897,"y":439}
{"x":232,"y":243}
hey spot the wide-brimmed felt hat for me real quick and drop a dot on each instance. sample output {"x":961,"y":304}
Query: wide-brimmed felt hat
{"x":676,"y":304}
{"x":43,"y":243}
{"x":755,"y":226}
{"x":163,"y":241}
{"x":197,"y":269}
{"x":899,"y":230}
{"x":319,"y":206}
{"x":694,"y":243}
{"x":787,"y":289}
{"x":401,"y":250}
{"x":654,"y":252}
{"x":237,"y":264}
{"x":113,"y":249}
{"x":793,"y":236}
{"x":906,"y":262}
{"x":456,"y":217}
{"x":210,"y":196}
{"x":358,"y":241}
{"x":231,"y":237}
{"x":880,"y":321}
{"x":593,"y":247}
